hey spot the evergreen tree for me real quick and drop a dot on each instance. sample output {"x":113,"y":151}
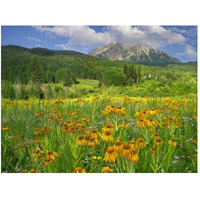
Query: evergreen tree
{"x":68,"y":78}
{"x":35,"y":71}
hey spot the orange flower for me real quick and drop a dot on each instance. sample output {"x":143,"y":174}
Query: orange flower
{"x":118,"y":146}
{"x":79,"y":170}
{"x":126,"y":151}
{"x":110,"y":155}
{"x":134,"y":145}
{"x":141,"y":143}
{"x":106,"y":169}
{"x":134,"y":156}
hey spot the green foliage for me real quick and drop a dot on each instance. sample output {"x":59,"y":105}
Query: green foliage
{"x":68,"y":78}
{"x":35,"y":71}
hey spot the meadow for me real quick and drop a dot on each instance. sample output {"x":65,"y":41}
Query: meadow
{"x":99,"y":134}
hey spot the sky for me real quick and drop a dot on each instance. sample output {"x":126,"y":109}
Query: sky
{"x":177,"y":41}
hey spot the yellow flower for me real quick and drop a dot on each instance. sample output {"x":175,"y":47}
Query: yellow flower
{"x":99,"y":158}
{"x":93,"y":141}
{"x":154,"y":150}
{"x":50,"y":158}
{"x":194,"y":141}
{"x":87,"y":140}
{"x":155,"y":135}
{"x":106,"y":169}
{"x":118,"y":146}
{"x":173,"y":142}
{"x":79,"y":170}
{"x":84,"y":119}
{"x":141,"y":143}
{"x":141,"y":123}
{"x":95,"y":133}
{"x":110,"y":155}
{"x":124,"y":126}
{"x":107,"y":136}
{"x":94,"y":157}
{"x":126,"y":151}
{"x":80,"y":140}
{"x":134,"y":145}
{"x":158,"y":141}
{"x":5,"y":128}
{"x":38,"y":154}
{"x":108,"y":127}
{"x":134,"y":156}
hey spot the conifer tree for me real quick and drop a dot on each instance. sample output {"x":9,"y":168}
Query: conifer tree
{"x":35,"y":71}
{"x":68,"y":78}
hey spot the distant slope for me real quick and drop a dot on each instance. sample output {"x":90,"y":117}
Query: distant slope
{"x":40,"y":51}
{"x":140,"y":53}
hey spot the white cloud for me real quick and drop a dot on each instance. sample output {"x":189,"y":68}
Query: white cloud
{"x":34,"y":39}
{"x":84,"y":38}
{"x":189,"y":51}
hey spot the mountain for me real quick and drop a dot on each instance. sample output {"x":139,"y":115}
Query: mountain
{"x":40,"y":51}
{"x":140,"y":53}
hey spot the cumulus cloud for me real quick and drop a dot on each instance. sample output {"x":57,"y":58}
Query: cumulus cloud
{"x":34,"y":39}
{"x":189,"y":51}
{"x":84,"y":38}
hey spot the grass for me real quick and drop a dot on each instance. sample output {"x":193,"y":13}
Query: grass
{"x":61,"y":122}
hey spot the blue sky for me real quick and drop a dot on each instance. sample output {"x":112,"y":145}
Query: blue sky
{"x":177,"y":41}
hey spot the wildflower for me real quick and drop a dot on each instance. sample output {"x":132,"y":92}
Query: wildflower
{"x":23,"y":171}
{"x":154,"y":150}
{"x":80,"y":140}
{"x":126,"y":151}
{"x":134,"y":145}
{"x":141,"y":143}
{"x":38,"y":154}
{"x":99,"y":158}
{"x":87,"y":140}
{"x":84,"y":119}
{"x":158,"y":141}
{"x":32,"y":171}
{"x":107,"y":136}
{"x":155,"y":135}
{"x":45,"y":130}
{"x":124,"y":126}
{"x":106,"y":169}
{"x":134,"y":156}
{"x":79,"y":170}
{"x":173,"y":142}
{"x":95,"y":133}
{"x":110,"y":155}
{"x":194,"y":141}
{"x":141,"y":123}
{"x":5,"y":128}
{"x":93,"y":141}
{"x":50,"y":158}
{"x":108,"y":127}
{"x":118,"y":146}
{"x":94,"y":157}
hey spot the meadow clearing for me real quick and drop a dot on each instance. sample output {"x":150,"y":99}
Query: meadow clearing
{"x":99,"y":134}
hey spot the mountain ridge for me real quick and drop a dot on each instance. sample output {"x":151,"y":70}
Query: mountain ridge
{"x":139,"y":53}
